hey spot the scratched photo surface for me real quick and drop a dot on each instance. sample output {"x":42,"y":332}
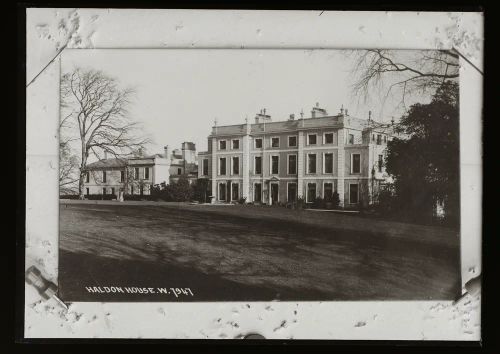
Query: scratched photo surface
{"x":258,"y":175}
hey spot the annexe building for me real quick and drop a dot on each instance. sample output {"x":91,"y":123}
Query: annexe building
{"x":277,"y":162}
{"x":137,"y":174}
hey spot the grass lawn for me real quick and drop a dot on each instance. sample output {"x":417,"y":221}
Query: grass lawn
{"x":250,"y":253}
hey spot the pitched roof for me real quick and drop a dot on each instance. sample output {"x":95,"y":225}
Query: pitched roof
{"x":108,"y":163}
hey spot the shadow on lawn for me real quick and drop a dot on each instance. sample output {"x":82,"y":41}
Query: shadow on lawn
{"x":81,"y":270}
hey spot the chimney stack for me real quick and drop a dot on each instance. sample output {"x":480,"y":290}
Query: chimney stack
{"x":369,"y":115}
{"x":166,"y":150}
{"x":141,"y":152}
{"x":318,"y":112}
{"x":292,"y":117}
{"x":262,"y":117}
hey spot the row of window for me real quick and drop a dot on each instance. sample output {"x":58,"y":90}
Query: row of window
{"x":136,"y":175}
{"x":232,"y":190}
{"x":312,"y":139}
{"x":291,"y":164}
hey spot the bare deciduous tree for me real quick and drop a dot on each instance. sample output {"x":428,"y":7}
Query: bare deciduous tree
{"x":68,"y":168}
{"x":405,"y":72}
{"x":95,"y":113}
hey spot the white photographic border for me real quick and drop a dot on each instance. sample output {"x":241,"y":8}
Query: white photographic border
{"x":163,"y":29}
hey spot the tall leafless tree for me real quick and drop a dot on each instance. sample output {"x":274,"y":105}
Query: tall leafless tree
{"x":68,"y":168}
{"x":401,"y":72}
{"x":95,"y":114}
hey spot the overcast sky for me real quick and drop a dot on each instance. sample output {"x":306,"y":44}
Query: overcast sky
{"x":179,"y":93}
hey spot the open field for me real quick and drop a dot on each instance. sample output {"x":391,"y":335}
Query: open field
{"x":250,"y":253}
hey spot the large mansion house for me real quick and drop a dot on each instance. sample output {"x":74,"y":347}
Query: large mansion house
{"x":278,"y":162}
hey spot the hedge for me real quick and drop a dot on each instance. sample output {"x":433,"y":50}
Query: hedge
{"x":90,"y":196}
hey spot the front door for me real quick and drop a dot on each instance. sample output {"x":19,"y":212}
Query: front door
{"x":274,"y":193}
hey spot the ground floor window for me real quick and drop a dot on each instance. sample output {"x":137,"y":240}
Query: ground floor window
{"x":235,"y":191}
{"x":222,"y":191}
{"x":292,"y":192}
{"x":353,"y":193}
{"x":113,"y":190}
{"x":328,"y":191}
{"x":104,"y":191}
{"x":88,"y":191}
{"x":257,"y":192}
{"x":311,"y":192}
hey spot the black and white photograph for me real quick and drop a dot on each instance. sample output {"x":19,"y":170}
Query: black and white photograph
{"x":210,"y":175}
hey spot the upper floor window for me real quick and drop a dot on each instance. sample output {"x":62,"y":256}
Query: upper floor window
{"x":385,"y":138}
{"x":222,"y":166}
{"x":275,"y":142}
{"x":236,"y":144}
{"x":351,"y":139}
{"x":328,"y":167}
{"x":275,"y":160}
{"x":379,"y":139}
{"x":258,"y":143}
{"x":311,"y":139}
{"x":146,"y":173}
{"x":87,"y":177}
{"x":258,"y":165}
{"x":122,"y":176}
{"x":380,"y":162}
{"x":355,"y":163}
{"x":236,"y":165}
{"x":103,"y":176}
{"x":136,"y":173}
{"x":292,"y":141}
{"x":205,"y":167}
{"x":179,"y":171}
{"x":222,"y":145}
{"x":328,"y":138}
{"x":311,"y":163}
